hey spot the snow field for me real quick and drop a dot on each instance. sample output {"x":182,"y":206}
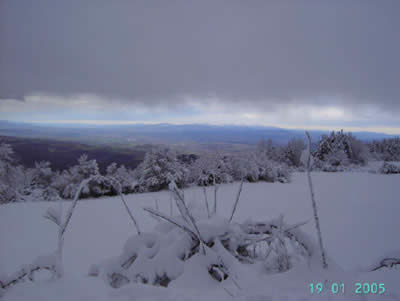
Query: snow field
{"x":359,"y":223}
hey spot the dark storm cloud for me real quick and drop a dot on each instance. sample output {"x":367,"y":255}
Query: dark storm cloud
{"x":262,"y":51}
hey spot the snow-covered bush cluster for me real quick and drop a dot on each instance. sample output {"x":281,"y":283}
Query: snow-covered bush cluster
{"x":214,"y":244}
{"x":386,"y":149}
{"x":159,"y":257}
{"x":211,"y":169}
{"x":289,"y":154}
{"x":159,"y":167}
{"x":389,"y":168}
{"x":339,"y":150}
{"x":258,"y":166}
{"x":41,"y":183}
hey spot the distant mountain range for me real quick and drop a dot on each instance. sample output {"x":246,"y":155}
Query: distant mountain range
{"x":162,"y":133}
{"x":62,"y":144}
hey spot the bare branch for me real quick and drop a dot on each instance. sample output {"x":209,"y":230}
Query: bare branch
{"x":294,"y":226}
{"x":74,"y":203}
{"x":180,"y":201}
{"x":117,"y":186}
{"x":130,"y":213}
{"x":314,"y":204}
{"x":24,"y":272}
{"x":215,"y":195}
{"x":237,"y":200}
{"x":206,"y":201}
{"x":170,"y":206}
{"x":53,"y":216}
{"x":172,"y":221}
{"x":184,"y":209}
{"x":387,"y":262}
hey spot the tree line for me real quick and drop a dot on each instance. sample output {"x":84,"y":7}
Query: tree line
{"x":268,"y":162}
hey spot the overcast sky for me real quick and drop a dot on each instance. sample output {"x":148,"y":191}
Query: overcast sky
{"x":313,"y":64}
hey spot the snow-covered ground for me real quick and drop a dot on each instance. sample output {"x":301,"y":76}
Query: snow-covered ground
{"x":359,"y":220}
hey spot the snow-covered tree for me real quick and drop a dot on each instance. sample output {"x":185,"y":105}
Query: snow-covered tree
{"x":338,"y":150}
{"x":158,"y":168}
{"x":386,"y":149}
{"x":11,"y":176}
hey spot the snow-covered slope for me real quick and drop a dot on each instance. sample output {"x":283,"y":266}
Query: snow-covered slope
{"x":359,"y":219}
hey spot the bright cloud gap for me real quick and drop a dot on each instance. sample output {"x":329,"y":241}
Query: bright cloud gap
{"x":93,"y":109}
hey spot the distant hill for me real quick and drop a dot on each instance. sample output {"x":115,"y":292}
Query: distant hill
{"x":129,"y":135}
{"x":127,"y":144}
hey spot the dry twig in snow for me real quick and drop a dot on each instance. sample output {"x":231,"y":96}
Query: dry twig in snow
{"x":314,"y":204}
{"x":237,"y":200}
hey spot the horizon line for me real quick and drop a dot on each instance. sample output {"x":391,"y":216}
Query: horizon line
{"x":377,"y":130}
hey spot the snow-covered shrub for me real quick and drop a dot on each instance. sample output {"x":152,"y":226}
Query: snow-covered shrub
{"x":210,"y":169}
{"x":277,"y":245}
{"x":61,"y":179}
{"x":76,"y":174}
{"x":272,"y":171}
{"x":123,"y":175}
{"x":291,"y":153}
{"x":283,"y":173}
{"x":159,"y":166}
{"x":154,"y":258}
{"x":389,"y":168}
{"x":100,"y":186}
{"x":335,"y":162}
{"x":159,"y":257}
{"x":41,"y":180}
{"x":257,"y":166}
{"x":244,"y":166}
